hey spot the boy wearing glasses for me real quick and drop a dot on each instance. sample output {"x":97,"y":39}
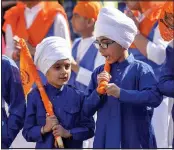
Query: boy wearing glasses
{"x":124,"y":112}
{"x":85,"y":54}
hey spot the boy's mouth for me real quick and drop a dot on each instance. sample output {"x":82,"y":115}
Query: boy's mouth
{"x":107,"y":57}
{"x":63,"y":78}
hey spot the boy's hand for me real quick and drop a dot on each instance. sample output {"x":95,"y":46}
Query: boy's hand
{"x":51,"y":121}
{"x":16,"y":53}
{"x":112,"y":90}
{"x":74,"y":66}
{"x":131,"y":15}
{"x":103,"y":76}
{"x":58,"y":130}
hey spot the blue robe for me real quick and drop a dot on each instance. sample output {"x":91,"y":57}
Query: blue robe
{"x":85,"y":63}
{"x":67,"y":105}
{"x":124,"y":122}
{"x":166,"y":83}
{"x":12,"y":94}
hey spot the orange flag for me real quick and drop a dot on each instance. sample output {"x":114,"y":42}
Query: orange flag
{"x":29,"y":75}
{"x":27,"y":69}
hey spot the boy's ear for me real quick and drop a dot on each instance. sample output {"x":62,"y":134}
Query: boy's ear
{"x":91,"y":22}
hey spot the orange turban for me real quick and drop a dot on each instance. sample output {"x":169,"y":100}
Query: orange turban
{"x":166,"y":25}
{"x":88,"y":9}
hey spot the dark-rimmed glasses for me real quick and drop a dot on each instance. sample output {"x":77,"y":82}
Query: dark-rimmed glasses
{"x":103,"y":45}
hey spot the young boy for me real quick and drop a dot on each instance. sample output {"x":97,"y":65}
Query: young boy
{"x":12,"y":94}
{"x":53,"y":58}
{"x":124,"y":113}
{"x":85,"y":54}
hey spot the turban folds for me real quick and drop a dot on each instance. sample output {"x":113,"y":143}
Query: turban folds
{"x":49,"y":51}
{"x":116,"y":26}
{"x":88,"y":9}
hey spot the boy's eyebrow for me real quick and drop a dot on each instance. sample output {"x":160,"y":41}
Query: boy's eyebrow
{"x":103,"y":40}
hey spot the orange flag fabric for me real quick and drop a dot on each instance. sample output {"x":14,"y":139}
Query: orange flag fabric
{"x":29,"y":75}
{"x":166,"y":21}
{"x":41,"y":25}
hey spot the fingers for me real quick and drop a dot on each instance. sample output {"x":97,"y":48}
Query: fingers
{"x":52,"y":119}
{"x":55,"y":127}
{"x":103,"y":76}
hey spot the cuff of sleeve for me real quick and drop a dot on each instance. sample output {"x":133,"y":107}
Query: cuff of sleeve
{"x":37,"y":133}
{"x":84,"y":76}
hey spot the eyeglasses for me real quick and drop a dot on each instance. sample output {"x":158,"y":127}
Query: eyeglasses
{"x":103,"y":45}
{"x":168,"y":21}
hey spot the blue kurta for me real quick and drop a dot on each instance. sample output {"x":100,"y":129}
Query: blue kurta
{"x":12,"y":94}
{"x":166,"y":83}
{"x":67,"y":105}
{"x":85,"y":63}
{"x":125,"y":122}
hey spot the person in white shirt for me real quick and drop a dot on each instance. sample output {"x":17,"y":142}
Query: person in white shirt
{"x":33,"y":21}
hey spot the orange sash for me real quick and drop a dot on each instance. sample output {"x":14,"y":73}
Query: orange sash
{"x":41,"y":25}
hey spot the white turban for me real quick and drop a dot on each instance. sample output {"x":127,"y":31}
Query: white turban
{"x":49,"y":51}
{"x":115,"y":25}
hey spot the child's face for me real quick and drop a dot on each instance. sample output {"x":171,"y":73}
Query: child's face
{"x":59,"y":73}
{"x":79,"y":23}
{"x":111,"y":50}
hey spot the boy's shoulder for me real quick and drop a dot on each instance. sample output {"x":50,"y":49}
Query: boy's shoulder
{"x":76,"y":41}
{"x":34,"y":93}
{"x":74,"y":89}
{"x":6,"y":61}
{"x":142,"y":66}
{"x":99,"y":69}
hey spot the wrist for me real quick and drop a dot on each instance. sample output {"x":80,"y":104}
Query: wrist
{"x":68,"y":134}
{"x":42,"y":130}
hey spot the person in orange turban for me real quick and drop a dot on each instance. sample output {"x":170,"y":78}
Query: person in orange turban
{"x":86,"y":55}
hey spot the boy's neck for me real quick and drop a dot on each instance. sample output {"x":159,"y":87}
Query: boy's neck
{"x":86,"y":35}
{"x":124,"y":56}
{"x":32,"y":4}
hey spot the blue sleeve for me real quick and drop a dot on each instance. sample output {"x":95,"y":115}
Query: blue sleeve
{"x":31,"y":131}
{"x":12,"y":93}
{"x":93,"y":100}
{"x":86,"y":126}
{"x":166,"y":82}
{"x":147,"y":93}
{"x":169,"y":61}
